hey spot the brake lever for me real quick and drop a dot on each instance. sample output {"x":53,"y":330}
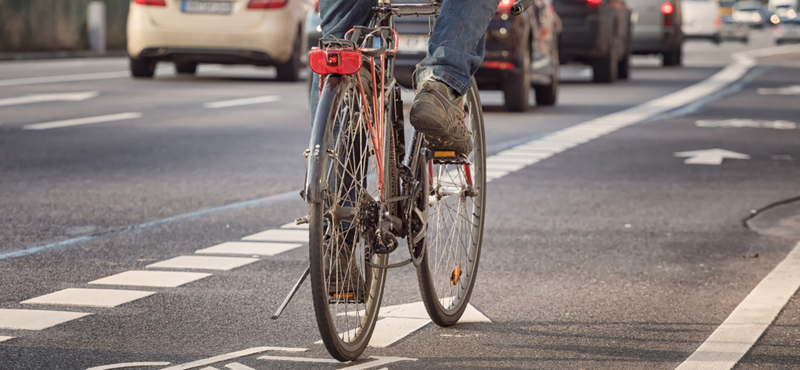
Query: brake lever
{"x":521,"y":6}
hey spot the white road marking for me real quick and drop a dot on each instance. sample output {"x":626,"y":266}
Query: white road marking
{"x":280,"y":235}
{"x":35,"y":319}
{"x":713,"y":157}
{"x":89,"y":297}
{"x":238,"y":366}
{"x":41,"y":98}
{"x":504,"y":166}
{"x":64,"y":78}
{"x":299,"y":359}
{"x":82,"y":121}
{"x":788,"y":90}
{"x":751,"y":123}
{"x":245,"y":101}
{"x":380,"y":360}
{"x":231,"y":356}
{"x":204,"y":263}
{"x":126,"y":365}
{"x":734,"y":338}
{"x":249,"y":248}
{"x":292,"y":225}
{"x":4,"y":338}
{"x":209,"y":368}
{"x":400,"y":321}
{"x":163,"y":279}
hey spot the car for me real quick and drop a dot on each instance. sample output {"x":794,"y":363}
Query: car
{"x":191,"y":32}
{"x":751,"y":13}
{"x":732,"y":30}
{"x":784,"y":9}
{"x":701,"y":20}
{"x":657,"y":29}
{"x":521,"y":53}
{"x":726,"y":7}
{"x":597,"y":33}
{"x":788,"y":32}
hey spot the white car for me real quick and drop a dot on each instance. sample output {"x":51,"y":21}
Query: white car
{"x":701,"y":19}
{"x":788,"y":32}
{"x":189,"y":32}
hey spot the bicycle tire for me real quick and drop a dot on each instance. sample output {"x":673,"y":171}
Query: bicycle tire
{"x":345,"y":324}
{"x":445,"y":300}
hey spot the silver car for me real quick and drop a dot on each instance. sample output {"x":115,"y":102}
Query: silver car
{"x":657,"y":29}
{"x":733,"y":30}
{"x":788,"y":31}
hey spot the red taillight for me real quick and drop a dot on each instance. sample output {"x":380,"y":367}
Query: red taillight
{"x":498,"y":65}
{"x":266,"y":4}
{"x":334,"y":61}
{"x":717,"y":22}
{"x":151,"y":2}
{"x":667,"y":8}
{"x":505,"y":6}
{"x":594,"y":2}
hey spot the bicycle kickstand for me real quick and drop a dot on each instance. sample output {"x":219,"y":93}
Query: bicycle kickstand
{"x":291,"y":294}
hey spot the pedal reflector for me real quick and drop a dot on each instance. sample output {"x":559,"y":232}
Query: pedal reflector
{"x":443,"y":154}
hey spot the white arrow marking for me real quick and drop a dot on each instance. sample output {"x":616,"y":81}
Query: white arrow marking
{"x":788,"y":90}
{"x":41,"y":98}
{"x":710,"y":156}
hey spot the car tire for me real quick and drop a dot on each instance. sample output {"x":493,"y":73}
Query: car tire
{"x":186,"y":68}
{"x":624,"y":68}
{"x":673,"y":57}
{"x":517,"y":88}
{"x":717,"y":39}
{"x":745,"y":40}
{"x":604,"y":70}
{"x":290,"y":71}
{"x":143,"y":67}
{"x":547,"y":95}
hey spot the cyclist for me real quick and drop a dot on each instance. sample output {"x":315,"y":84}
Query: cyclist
{"x":455,"y":51}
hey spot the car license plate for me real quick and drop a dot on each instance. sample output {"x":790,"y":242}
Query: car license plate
{"x":413,"y":44}
{"x":207,"y":7}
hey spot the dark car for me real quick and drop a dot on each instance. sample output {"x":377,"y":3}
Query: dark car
{"x":598,"y":33}
{"x":521,"y":52}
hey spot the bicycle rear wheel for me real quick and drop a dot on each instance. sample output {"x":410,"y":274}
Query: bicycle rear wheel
{"x":457,"y":199}
{"x":346,"y":291}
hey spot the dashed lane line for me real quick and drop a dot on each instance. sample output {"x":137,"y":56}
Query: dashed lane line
{"x":161,"y":279}
{"x":89,"y":297}
{"x":737,"y":334}
{"x":279,"y":235}
{"x":231,"y":356}
{"x":64,"y":78}
{"x":14,"y":319}
{"x":5,"y":338}
{"x":127,"y":365}
{"x":83,"y":121}
{"x":249,"y":248}
{"x":244,"y":101}
{"x":204,"y":263}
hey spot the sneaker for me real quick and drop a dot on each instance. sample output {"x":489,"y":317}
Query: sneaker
{"x":438,"y":113}
{"x":345,"y":283}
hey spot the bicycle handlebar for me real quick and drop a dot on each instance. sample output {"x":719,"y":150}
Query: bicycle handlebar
{"x":521,"y":6}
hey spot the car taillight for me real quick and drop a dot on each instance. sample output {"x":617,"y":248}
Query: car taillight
{"x":266,"y":4}
{"x":334,"y":61}
{"x":593,"y":2}
{"x":504,"y":6}
{"x":717,"y":22}
{"x":151,"y":2}
{"x":667,"y":9}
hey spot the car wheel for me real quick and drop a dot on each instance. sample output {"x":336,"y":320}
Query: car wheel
{"x":186,"y":68}
{"x":745,"y":40}
{"x":605,"y":70}
{"x":290,"y":71}
{"x":143,"y":67}
{"x":717,"y":39}
{"x":673,"y":57}
{"x":547,"y":95}
{"x":624,"y":67}
{"x":516,"y":89}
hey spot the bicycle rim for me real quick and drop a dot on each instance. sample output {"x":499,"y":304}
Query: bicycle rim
{"x":347,"y":292}
{"x":455,"y":227}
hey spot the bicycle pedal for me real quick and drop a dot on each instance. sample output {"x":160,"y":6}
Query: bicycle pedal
{"x":449,"y":157}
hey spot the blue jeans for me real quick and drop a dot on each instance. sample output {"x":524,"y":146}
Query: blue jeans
{"x":455,"y":49}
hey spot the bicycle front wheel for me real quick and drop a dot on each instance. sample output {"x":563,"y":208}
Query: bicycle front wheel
{"x":456,"y":203}
{"x":346,"y":289}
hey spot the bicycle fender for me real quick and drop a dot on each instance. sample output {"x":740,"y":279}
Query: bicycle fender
{"x":320,"y":142}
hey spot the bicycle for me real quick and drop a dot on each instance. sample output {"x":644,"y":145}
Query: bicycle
{"x":365,"y":190}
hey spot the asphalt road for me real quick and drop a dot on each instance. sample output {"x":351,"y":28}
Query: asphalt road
{"x":613,"y":254}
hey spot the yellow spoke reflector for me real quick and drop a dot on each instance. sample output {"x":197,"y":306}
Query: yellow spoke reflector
{"x":455,"y":275}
